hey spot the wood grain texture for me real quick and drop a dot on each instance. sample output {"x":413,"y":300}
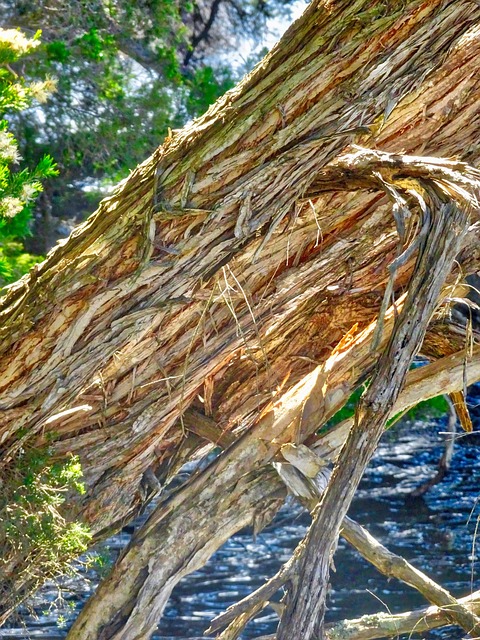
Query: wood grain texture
{"x":207,"y":280}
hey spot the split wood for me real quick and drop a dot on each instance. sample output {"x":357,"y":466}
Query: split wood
{"x":444,"y":225}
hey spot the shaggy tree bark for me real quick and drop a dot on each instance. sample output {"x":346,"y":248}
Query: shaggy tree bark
{"x":196,"y":304}
{"x":154,"y":561}
{"x":129,"y":608}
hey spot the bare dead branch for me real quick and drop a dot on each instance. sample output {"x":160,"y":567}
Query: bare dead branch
{"x":447,"y":225}
{"x":384,"y":625}
{"x":444,"y":462}
{"x":308,"y":490}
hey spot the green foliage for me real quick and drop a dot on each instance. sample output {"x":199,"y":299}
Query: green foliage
{"x":14,"y":260}
{"x":57,"y":51}
{"x":204,"y":86}
{"x":100,"y":561}
{"x":433,"y":408}
{"x":61,"y":621}
{"x":18,"y":187}
{"x":96,"y":46}
{"x":34,"y":488}
{"x":346,"y":412}
{"x":426,"y":410}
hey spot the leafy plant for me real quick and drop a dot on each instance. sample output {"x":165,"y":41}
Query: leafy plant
{"x":19,"y":187}
{"x":34,"y":488}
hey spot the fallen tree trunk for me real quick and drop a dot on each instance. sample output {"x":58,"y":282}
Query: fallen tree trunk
{"x":154,"y":568}
{"x":207,"y":269}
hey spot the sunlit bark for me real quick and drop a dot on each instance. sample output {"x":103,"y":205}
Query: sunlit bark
{"x":207,"y":283}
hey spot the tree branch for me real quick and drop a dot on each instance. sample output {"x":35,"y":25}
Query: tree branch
{"x":203,"y":33}
{"x":383,"y":625}
{"x":299,"y":481}
{"x":444,"y":226}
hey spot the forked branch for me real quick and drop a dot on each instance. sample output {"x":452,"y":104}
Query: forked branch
{"x":444,"y":204}
{"x":297,"y":477}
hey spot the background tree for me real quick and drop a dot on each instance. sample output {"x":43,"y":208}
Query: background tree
{"x":126,"y":73}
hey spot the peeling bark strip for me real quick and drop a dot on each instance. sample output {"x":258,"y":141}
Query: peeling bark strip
{"x":445,"y":226}
{"x":207,"y":275}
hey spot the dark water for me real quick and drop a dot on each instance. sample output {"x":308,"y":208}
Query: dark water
{"x":435,"y":533}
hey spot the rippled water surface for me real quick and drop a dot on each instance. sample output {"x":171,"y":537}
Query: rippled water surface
{"x":435,"y":533}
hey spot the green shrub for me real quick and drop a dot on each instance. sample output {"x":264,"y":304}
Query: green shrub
{"x":33,"y":532}
{"x":19,"y":186}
